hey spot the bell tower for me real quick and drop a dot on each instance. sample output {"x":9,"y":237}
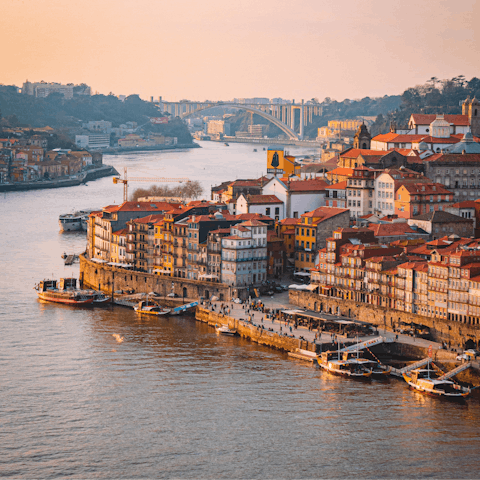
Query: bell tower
{"x":474,"y":117}
{"x":362,"y":138}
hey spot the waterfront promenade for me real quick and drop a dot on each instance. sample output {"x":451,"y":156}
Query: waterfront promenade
{"x":280,"y":301}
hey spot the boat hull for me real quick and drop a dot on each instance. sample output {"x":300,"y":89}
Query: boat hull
{"x":66,"y":300}
{"x":346,"y":373}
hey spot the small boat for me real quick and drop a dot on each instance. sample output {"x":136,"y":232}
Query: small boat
{"x":226,"y":144}
{"x":225,"y":330}
{"x":66,"y":292}
{"x":99,"y":298}
{"x":347,"y":367}
{"x":425,"y":380}
{"x":144,"y":308}
{"x":188,"y":307}
{"x":254,"y":149}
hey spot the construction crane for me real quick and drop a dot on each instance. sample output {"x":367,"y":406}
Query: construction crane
{"x":125,"y":181}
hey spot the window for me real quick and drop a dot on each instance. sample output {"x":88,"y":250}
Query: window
{"x":267,"y":212}
{"x":277,"y":210}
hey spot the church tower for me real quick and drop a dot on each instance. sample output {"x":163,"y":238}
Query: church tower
{"x":362,"y":138}
{"x":472,"y":109}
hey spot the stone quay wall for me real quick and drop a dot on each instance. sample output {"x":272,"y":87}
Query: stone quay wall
{"x":106,"y":278}
{"x":442,"y":330}
{"x":253,"y":333}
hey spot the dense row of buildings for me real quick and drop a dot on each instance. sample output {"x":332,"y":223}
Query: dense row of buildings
{"x":27,"y":159}
{"x":440,"y":278}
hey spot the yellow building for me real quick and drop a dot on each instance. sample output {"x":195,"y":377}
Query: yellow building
{"x":163,"y":256}
{"x":118,"y":246}
{"x":305,"y":241}
{"x":286,"y":163}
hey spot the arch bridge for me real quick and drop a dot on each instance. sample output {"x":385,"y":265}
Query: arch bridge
{"x":281,"y":115}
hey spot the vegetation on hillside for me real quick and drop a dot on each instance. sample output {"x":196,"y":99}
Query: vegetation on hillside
{"x":191,"y":189}
{"x":58,"y":112}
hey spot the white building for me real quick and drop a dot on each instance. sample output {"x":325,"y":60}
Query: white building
{"x":360,"y":192}
{"x":298,"y":196}
{"x":268,"y":205}
{"x":244,"y":254}
{"x":92,"y":142}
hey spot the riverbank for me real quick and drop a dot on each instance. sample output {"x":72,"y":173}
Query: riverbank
{"x":70,"y":181}
{"x":153,"y":148}
{"x":398,"y":349}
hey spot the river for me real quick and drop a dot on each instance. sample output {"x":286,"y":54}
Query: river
{"x":175,"y":400}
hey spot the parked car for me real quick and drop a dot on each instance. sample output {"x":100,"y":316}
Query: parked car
{"x":173,"y":295}
{"x":463,"y":357}
{"x":471,"y":353}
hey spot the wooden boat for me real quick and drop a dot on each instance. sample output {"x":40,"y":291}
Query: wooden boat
{"x":144,"y":308}
{"x":425,"y":380}
{"x":99,"y":298}
{"x":347,"y":367}
{"x":225,"y":330}
{"x":66,"y":293}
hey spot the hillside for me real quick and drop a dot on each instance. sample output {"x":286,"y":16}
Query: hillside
{"x":57,"y":112}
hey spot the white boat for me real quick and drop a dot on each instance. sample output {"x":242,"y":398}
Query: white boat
{"x":225,"y":330}
{"x":425,"y":380}
{"x":99,"y":298}
{"x":70,"y":222}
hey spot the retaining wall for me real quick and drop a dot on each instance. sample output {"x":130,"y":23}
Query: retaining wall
{"x":455,"y":333}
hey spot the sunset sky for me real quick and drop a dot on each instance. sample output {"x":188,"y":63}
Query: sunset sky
{"x":218,"y":49}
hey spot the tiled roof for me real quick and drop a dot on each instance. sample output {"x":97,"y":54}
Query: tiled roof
{"x":422,"y":188}
{"x":252,"y":223}
{"x":449,"y":140}
{"x":423,"y":119}
{"x":123,"y":231}
{"x":342,"y":171}
{"x":323,"y":213}
{"x":262,"y":199}
{"x":150,"y":219}
{"x":441,"y":217}
{"x":356,"y":152}
{"x":313,"y":185}
{"x":337,"y":186}
{"x":141,"y":207}
{"x":392,"y":137}
{"x":465,"y":204}
{"x":454,"y":157}
{"x":290,"y":221}
{"x":253,"y":216}
{"x":390,"y":229}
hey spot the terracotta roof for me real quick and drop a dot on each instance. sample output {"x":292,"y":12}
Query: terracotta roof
{"x":390,"y":229}
{"x":450,"y":140}
{"x":289,"y":231}
{"x":454,"y":157}
{"x":424,"y":119}
{"x":253,"y":223}
{"x":465,"y":204}
{"x":245,"y":183}
{"x":426,"y":188}
{"x":356,"y":152}
{"x":312,"y":185}
{"x":141,"y":207}
{"x":342,"y":171}
{"x":337,"y":186}
{"x":323,"y":213}
{"x":150,"y":219}
{"x":392,"y":137}
{"x":262,"y":199}
{"x":123,"y":231}
{"x":220,"y":230}
{"x":253,"y":216}
{"x":290,"y":221}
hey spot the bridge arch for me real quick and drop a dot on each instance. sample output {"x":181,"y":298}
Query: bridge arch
{"x":278,"y":123}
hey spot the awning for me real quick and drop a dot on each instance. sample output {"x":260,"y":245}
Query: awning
{"x":302,"y":274}
{"x":98,"y":260}
{"x":205,"y":275}
{"x":163,"y":271}
{"x":311,"y":287}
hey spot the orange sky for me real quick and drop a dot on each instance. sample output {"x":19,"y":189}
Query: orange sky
{"x":214,"y":49}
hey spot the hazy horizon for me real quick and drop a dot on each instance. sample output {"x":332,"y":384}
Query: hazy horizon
{"x":218,"y":51}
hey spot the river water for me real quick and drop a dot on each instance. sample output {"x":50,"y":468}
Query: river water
{"x":175,"y":400}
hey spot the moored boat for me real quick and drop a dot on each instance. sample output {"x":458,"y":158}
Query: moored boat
{"x":225,"y":330}
{"x":425,"y":380}
{"x":70,"y":222}
{"x":144,"y":308}
{"x":347,"y":367}
{"x":66,"y":293}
